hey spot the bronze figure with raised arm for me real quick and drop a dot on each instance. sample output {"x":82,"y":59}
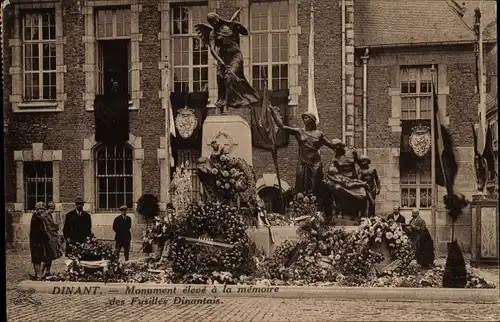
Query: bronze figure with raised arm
{"x":222,"y":38}
{"x":309,"y":173}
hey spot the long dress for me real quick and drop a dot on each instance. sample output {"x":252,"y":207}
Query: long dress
{"x":233,"y":88}
{"x":54,"y":245}
{"x":309,"y":173}
{"x":424,"y":246}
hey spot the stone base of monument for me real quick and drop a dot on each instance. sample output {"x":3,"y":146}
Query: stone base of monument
{"x":485,"y":233}
{"x":262,"y":239}
{"x":231,"y":132}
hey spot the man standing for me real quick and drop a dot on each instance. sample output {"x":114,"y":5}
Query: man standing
{"x":121,"y":227}
{"x":77,"y":225}
{"x":396,"y":216}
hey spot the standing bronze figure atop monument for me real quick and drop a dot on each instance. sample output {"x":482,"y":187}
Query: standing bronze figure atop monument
{"x":222,"y":38}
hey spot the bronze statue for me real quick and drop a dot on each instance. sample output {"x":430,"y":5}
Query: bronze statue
{"x":222,"y":38}
{"x":370,"y":176}
{"x":349,"y":193}
{"x":309,"y":173}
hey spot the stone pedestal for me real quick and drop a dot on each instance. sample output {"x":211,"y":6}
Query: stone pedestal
{"x":485,"y":231}
{"x":231,"y":131}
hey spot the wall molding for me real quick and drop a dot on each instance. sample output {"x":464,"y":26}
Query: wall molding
{"x":87,"y":156}
{"x":89,"y":39}
{"x":19,"y":105}
{"x":36,"y":153}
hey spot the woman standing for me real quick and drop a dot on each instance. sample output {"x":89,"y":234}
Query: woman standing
{"x":38,"y":239}
{"x":309,"y":173}
{"x":54,"y":244}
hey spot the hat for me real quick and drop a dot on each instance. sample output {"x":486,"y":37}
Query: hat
{"x":365,"y":158}
{"x":309,"y":115}
{"x":40,"y":205}
{"x":124,"y":207}
{"x":337,"y":142}
{"x":79,"y":200}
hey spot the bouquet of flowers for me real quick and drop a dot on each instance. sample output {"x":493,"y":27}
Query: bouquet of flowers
{"x":303,"y":205}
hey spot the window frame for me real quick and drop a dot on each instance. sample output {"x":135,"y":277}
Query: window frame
{"x":419,"y":183}
{"x":40,"y":42}
{"x":191,"y":35}
{"x":107,"y":176}
{"x":44,"y":179}
{"x":269,"y":32}
{"x":99,"y":52}
{"x":114,"y":11}
{"x":418,"y":95}
{"x":187,"y":158}
{"x":418,"y":186}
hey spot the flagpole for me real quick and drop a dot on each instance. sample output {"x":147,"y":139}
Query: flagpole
{"x":482,"y":96}
{"x":433,"y":156}
{"x":168,"y":149}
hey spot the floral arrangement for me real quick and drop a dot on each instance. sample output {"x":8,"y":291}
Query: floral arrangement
{"x":91,"y":250}
{"x":218,"y":221}
{"x":276,"y":219}
{"x":303,"y":205}
{"x":233,"y":176}
{"x":377,"y":230}
{"x":181,"y":188}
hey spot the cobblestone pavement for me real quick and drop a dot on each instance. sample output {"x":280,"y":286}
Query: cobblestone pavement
{"x":98,"y":308}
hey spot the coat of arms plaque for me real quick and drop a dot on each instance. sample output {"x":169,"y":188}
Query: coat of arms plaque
{"x":186,"y":122}
{"x":420,"y":140}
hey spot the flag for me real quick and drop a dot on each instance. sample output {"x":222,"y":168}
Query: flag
{"x":170,"y":127}
{"x":446,"y":163}
{"x":311,"y":96}
{"x":489,"y":155}
{"x":262,"y":122}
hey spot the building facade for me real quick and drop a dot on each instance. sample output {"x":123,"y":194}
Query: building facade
{"x":60,"y":54}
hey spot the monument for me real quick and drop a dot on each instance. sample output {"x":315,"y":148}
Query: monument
{"x":234,"y":91}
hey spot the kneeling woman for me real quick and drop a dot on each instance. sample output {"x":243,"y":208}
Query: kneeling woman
{"x":424,"y":246}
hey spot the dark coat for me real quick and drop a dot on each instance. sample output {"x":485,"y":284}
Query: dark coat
{"x":401,"y":219}
{"x":77,"y":227}
{"x":121,"y":227}
{"x":38,"y":239}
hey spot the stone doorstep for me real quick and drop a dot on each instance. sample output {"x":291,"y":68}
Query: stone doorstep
{"x":486,"y":296}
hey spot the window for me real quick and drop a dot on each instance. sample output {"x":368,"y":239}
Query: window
{"x":113,"y":172}
{"x":416,"y":185}
{"x":113,"y":48}
{"x":190,"y":56}
{"x":416,"y":93}
{"x":272,"y":199}
{"x":188,"y":159}
{"x":39,"y":53}
{"x":269,"y":26}
{"x":38,"y":184}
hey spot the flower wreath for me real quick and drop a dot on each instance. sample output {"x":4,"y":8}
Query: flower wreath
{"x":233,"y":175}
{"x":218,"y":221}
{"x":378,"y":230}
